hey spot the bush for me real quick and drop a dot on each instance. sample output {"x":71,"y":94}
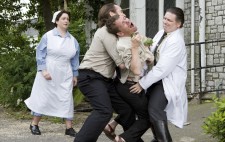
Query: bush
{"x":17,"y":74}
{"x":215,"y":123}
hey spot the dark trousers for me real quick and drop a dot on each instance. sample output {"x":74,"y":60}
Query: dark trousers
{"x":157,"y":115}
{"x":138,"y":103}
{"x":98,"y":90}
{"x":126,"y":115}
{"x":157,"y":102}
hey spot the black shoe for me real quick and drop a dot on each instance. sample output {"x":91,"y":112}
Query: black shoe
{"x":154,"y":134}
{"x":162,"y":131}
{"x":71,"y":132}
{"x":35,"y":130}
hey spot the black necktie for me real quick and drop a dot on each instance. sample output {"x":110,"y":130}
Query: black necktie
{"x":118,"y":74}
{"x":160,"y":41}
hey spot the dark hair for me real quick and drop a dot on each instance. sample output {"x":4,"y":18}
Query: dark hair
{"x":60,"y":14}
{"x":103,"y":14}
{"x":179,"y":14}
{"x":111,"y":26}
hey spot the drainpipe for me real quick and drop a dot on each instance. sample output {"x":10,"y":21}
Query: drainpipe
{"x":192,"y":46}
{"x":202,"y":39}
{"x":161,"y":14}
{"x":180,"y":4}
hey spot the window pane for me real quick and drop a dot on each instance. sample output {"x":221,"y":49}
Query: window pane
{"x":151,"y":17}
{"x":169,"y":4}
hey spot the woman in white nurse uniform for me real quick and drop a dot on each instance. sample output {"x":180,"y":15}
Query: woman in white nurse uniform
{"x":57,"y":57}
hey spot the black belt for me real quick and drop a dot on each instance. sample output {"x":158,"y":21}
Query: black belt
{"x":94,"y":75}
{"x":130,"y":82}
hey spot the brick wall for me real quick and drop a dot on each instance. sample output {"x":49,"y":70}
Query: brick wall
{"x":215,"y":52}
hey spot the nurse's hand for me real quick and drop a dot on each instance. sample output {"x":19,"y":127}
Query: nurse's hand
{"x":46,"y":75}
{"x":74,"y":81}
{"x":136,"y":88}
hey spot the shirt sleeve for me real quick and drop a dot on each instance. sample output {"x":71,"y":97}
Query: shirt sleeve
{"x":75,"y":59}
{"x":41,"y":53}
{"x":125,"y":54}
{"x":109,"y":42}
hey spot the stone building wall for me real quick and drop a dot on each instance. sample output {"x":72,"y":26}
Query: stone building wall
{"x":215,"y":52}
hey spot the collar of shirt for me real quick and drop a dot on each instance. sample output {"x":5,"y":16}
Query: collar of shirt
{"x":56,"y":33}
{"x":172,"y":32}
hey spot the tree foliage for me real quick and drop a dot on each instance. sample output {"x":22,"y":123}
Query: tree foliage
{"x":16,"y":56}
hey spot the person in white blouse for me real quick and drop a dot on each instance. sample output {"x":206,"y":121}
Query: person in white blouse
{"x":57,"y":57}
{"x":165,"y":83}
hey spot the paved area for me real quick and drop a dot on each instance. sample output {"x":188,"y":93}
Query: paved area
{"x":12,"y":130}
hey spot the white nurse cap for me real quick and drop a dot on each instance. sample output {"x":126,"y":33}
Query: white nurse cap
{"x":54,"y":16}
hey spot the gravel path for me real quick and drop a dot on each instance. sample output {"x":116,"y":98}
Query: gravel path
{"x":13,"y":130}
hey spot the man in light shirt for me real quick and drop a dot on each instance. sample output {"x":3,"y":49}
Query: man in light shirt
{"x":134,"y":55}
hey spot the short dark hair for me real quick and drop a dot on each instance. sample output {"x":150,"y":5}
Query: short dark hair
{"x":111,"y":26}
{"x":60,"y":14}
{"x":103,"y":14}
{"x":179,"y":14}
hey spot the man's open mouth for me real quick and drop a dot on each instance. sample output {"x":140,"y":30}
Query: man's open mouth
{"x":131,"y":25}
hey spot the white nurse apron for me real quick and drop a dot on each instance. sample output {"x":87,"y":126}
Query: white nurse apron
{"x":54,"y":97}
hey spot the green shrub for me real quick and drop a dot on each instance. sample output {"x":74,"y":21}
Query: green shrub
{"x":78,"y":96}
{"x":215,"y":123}
{"x":17,"y":73}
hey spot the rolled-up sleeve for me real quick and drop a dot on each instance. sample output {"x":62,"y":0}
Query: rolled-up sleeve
{"x":41,"y":53}
{"x":125,"y":54}
{"x":75,"y":59}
